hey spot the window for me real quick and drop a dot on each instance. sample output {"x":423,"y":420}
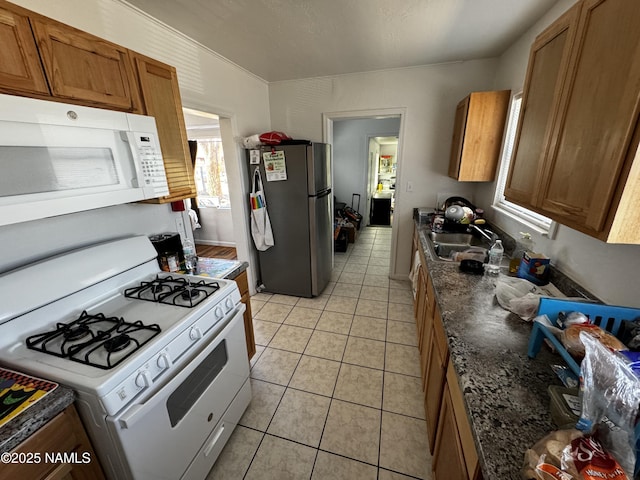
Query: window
{"x":210,"y":175}
{"x":529,"y":218}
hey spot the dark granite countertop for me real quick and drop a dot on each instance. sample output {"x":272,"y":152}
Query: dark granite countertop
{"x":505,"y":391}
{"x":18,"y":429}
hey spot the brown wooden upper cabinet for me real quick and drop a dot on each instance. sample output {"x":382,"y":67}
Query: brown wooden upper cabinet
{"x":20,"y":67}
{"x":577,"y":140}
{"x":158,"y":84}
{"x":477,"y":136}
{"x":83,"y":67}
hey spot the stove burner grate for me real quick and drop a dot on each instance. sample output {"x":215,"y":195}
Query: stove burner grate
{"x":173,"y":291}
{"x":83,"y":339}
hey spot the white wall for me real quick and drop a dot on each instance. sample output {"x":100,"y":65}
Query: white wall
{"x":207,"y":82}
{"x":429,"y":94}
{"x":217,"y":227}
{"x":608,"y":271}
{"x":31,"y":241}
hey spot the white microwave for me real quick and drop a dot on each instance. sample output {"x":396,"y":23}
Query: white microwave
{"x":57,"y":158}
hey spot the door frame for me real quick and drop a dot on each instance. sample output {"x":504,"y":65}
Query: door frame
{"x":327,"y":135}
{"x":236,"y":178}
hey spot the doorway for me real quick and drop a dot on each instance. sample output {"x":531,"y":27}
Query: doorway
{"x":210,"y":212}
{"x":355,"y":168}
{"x":383,"y":158}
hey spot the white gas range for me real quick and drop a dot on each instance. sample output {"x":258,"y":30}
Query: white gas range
{"x":158,"y":361}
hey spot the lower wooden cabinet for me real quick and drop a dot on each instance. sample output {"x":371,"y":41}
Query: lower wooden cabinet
{"x":243,"y":286}
{"x":62,"y":436}
{"x":448,"y":430}
{"x":435,"y":377}
{"x":448,"y":461}
{"x":455,"y":456}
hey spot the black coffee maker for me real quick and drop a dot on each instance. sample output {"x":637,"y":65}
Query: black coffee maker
{"x":168,"y":243}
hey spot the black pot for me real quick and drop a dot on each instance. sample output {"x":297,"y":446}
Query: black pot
{"x":463,"y":202}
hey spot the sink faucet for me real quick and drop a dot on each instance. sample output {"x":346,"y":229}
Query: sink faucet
{"x":486,"y":233}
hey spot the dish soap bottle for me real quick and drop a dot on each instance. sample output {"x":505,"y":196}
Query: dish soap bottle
{"x":523,"y":244}
{"x":495,"y":258}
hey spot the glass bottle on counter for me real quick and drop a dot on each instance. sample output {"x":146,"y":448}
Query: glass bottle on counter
{"x":523,"y":244}
{"x":190,"y":257}
{"x":495,"y":258}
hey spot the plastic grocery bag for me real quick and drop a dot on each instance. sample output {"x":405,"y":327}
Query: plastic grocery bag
{"x":518,"y":296}
{"x":260,"y":223}
{"x":610,"y":399}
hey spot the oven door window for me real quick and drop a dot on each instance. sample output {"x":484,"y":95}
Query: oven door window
{"x":189,"y":391}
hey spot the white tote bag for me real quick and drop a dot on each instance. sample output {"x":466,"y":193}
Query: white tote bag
{"x":260,"y":223}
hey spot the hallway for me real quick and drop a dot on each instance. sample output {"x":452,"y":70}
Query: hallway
{"x":336,"y":381}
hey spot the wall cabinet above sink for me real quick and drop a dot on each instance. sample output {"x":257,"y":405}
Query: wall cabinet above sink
{"x":477,"y":136}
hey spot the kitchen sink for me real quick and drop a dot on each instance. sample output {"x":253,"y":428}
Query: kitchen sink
{"x":443,"y":245}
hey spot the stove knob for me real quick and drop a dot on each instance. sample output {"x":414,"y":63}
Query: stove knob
{"x":229,"y":304}
{"x":163,"y":361}
{"x":218,"y":312}
{"x":195,"y":334}
{"x":142,"y":379}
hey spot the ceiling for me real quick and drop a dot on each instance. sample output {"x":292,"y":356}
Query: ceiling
{"x":292,"y":39}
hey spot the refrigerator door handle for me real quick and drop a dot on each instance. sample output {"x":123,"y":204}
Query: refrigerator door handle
{"x":321,"y":240}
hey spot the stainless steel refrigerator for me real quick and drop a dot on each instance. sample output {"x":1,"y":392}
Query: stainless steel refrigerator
{"x":301,"y":217}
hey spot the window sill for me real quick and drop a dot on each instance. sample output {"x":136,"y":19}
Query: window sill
{"x":527,"y":222}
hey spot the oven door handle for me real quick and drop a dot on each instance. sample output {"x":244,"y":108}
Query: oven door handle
{"x":127,"y":420}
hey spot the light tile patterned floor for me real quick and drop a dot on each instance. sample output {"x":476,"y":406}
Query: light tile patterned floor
{"x":336,"y":380}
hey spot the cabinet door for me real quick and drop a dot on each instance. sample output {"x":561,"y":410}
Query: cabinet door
{"x":477,"y":136}
{"x":448,"y":460}
{"x":434,"y":381}
{"x":427,"y":331}
{"x":83,"y":68}
{"x":435,"y":378}
{"x":459,"y":126}
{"x":420,"y":304}
{"x":599,"y":107}
{"x":161,"y":99}
{"x":20,"y":68}
{"x":547,"y":66}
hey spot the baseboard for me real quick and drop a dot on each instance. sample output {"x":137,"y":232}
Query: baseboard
{"x":215,"y":243}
